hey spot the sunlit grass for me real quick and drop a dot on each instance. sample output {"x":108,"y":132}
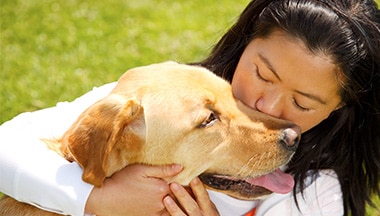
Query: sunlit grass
{"x":54,"y":50}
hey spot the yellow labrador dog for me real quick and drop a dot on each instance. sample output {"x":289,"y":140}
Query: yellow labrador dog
{"x":172,"y":113}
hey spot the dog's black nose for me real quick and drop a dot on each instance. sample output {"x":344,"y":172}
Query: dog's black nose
{"x":291,"y":137}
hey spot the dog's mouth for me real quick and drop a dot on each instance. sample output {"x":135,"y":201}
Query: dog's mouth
{"x":250,"y":188}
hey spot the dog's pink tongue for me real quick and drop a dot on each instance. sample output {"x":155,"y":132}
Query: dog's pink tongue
{"x":276,"y":181}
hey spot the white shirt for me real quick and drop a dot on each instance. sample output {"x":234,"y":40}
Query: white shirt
{"x":31,"y":173}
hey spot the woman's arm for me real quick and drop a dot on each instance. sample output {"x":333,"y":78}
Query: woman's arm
{"x":28,"y":169}
{"x":32,"y":173}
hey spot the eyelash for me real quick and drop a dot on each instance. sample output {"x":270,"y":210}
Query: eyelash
{"x":260,"y":77}
{"x":299,"y":107}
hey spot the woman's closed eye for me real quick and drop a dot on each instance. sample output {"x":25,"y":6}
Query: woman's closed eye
{"x":258,"y":74}
{"x":300,"y":107}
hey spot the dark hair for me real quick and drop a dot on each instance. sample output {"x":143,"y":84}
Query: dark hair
{"x":347,"y":31}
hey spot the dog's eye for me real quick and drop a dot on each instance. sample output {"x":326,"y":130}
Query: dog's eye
{"x":211,"y":119}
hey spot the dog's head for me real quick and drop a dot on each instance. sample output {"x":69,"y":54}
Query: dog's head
{"x":171,"y":113}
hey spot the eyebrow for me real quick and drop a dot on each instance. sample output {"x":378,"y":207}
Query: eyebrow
{"x":273,"y":70}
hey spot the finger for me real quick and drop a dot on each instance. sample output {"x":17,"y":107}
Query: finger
{"x":164,"y":211}
{"x":188,"y":204}
{"x":199,"y":191}
{"x":172,"y":207}
{"x":202,"y":197}
{"x":163,"y":171}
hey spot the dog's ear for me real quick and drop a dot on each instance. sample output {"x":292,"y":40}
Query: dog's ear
{"x":98,"y":131}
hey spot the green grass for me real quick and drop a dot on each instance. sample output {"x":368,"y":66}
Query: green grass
{"x":54,"y":50}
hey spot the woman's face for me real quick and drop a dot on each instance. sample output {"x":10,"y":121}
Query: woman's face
{"x":279,"y":76}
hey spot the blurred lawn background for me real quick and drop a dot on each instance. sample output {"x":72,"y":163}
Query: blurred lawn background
{"x":56,"y":50}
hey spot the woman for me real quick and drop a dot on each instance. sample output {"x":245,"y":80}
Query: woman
{"x":340,"y":36}
{"x":264,"y":54}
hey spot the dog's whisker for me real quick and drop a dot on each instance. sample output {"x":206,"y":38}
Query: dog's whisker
{"x":247,"y":165}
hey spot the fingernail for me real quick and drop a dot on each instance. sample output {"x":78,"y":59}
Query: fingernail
{"x":175,"y":186}
{"x":169,"y":201}
{"x":195,"y":181}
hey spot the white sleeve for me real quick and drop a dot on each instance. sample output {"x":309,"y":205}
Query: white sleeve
{"x":30,"y":172}
{"x":322,"y":196}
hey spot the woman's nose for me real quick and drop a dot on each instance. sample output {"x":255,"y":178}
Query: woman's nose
{"x":271,"y":104}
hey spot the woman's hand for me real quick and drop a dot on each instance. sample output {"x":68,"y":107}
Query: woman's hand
{"x":134,"y":190}
{"x":193,"y":205}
